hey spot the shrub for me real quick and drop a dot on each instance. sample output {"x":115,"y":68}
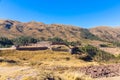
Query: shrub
{"x":67,"y":43}
{"x":73,"y":43}
{"x":90,"y":50}
{"x":56,"y":39}
{"x":5,"y":42}
{"x":92,"y":53}
{"x":104,"y":45}
{"x":76,"y":50}
{"x":24,"y":40}
{"x":103,"y":56}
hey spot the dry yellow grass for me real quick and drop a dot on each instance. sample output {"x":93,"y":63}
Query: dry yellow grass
{"x":37,"y":65}
{"x":45,"y":57}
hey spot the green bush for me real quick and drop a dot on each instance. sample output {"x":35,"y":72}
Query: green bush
{"x":67,"y":43}
{"x":56,"y":39}
{"x":5,"y":42}
{"x":24,"y":40}
{"x":92,"y":53}
{"x":103,"y":56}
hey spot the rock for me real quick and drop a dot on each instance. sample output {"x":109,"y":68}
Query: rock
{"x":102,"y":71}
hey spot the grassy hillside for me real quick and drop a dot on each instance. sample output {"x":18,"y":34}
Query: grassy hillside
{"x":107,"y":33}
{"x":12,"y":29}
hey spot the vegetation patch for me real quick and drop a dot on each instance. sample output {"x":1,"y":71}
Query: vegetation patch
{"x":86,"y":34}
{"x":117,"y":44}
{"x":5,"y":42}
{"x":24,"y":40}
{"x":93,"y":53}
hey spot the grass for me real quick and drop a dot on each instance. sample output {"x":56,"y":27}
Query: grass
{"x":43,"y":57}
{"x":42,"y":63}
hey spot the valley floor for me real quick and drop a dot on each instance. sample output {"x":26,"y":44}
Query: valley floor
{"x":26,"y":73}
{"x":45,"y":65}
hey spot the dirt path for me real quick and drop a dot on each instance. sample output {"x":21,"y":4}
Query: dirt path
{"x":9,"y":70}
{"x":16,"y":72}
{"x":112,"y":72}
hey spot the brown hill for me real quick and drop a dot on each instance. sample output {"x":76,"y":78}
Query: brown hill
{"x":107,"y":33}
{"x":12,"y":29}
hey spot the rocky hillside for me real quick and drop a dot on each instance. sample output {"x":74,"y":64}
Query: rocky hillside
{"x":107,"y":33}
{"x":12,"y":29}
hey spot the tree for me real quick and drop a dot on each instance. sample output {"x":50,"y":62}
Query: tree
{"x":5,"y":42}
{"x":24,"y":40}
{"x":56,"y":39}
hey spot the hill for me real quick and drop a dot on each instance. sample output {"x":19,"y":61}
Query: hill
{"x":96,"y":59}
{"x":107,"y":33}
{"x":12,"y":29}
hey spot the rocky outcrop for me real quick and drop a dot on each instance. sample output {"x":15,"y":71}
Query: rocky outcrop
{"x":102,"y":71}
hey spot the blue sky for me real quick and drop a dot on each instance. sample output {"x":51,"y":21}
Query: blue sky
{"x":83,"y":13}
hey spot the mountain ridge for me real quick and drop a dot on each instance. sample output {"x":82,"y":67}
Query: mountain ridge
{"x":13,"y":28}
